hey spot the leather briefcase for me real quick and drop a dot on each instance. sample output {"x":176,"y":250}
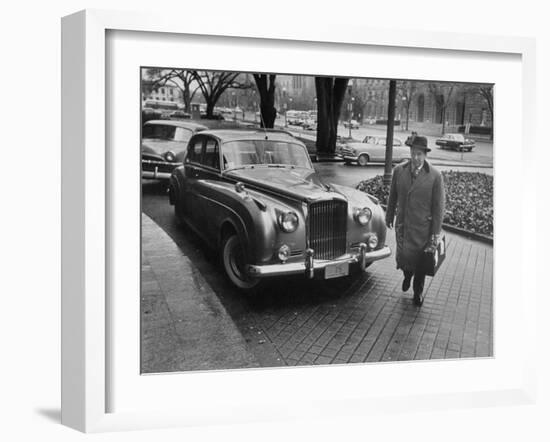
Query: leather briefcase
{"x":430,"y":261}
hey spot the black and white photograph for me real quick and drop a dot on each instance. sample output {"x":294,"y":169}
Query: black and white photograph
{"x":298,"y":220}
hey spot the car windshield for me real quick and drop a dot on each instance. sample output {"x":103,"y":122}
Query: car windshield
{"x":166,"y":132}
{"x":264,"y":152}
{"x":455,"y":137}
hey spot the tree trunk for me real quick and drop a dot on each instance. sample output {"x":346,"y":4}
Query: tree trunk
{"x":266,"y":88}
{"x":210,"y":103}
{"x":330,"y":95}
{"x":269,"y":114}
{"x":187,"y":100}
{"x":443,"y":121}
{"x":407,"y":124}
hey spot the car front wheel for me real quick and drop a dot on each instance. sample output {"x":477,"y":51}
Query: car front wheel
{"x":363,"y":160}
{"x":234,"y":264}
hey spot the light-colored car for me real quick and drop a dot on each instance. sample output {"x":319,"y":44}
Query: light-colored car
{"x":354,"y":124}
{"x":255,"y":196}
{"x":163,"y":146}
{"x":373,"y":150}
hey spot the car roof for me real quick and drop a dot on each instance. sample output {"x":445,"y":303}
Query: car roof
{"x":178,"y":123}
{"x":225,"y":135}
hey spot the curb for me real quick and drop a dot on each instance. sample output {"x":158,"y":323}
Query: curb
{"x":462,"y":232}
{"x":184,"y":325}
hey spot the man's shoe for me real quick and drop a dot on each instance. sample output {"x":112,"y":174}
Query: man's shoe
{"x":418,"y":298}
{"x":406,"y":283}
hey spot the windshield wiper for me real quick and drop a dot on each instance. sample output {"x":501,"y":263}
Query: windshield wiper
{"x":246,"y":166}
{"x":281,"y":165}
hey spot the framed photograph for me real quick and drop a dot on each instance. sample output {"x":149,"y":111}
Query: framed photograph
{"x":243,"y":214}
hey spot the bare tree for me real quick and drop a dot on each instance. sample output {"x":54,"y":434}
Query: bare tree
{"x":407,"y":92}
{"x":180,"y":78}
{"x":214,"y":83}
{"x":442,"y":94}
{"x":266,"y":87}
{"x":486,"y":92}
{"x":330,"y":96}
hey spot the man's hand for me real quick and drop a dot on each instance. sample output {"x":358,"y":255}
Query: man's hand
{"x":389,"y":223}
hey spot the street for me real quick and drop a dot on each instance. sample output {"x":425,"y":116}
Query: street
{"x":367,"y":319}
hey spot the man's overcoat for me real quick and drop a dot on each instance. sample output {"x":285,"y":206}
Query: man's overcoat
{"x":418,"y":205}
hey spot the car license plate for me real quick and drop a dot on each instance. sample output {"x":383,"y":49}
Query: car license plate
{"x":336,"y":270}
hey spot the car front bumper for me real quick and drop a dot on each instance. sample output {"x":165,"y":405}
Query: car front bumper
{"x":310,"y":264}
{"x":153,"y":169}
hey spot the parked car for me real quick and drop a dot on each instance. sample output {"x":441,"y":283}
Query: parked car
{"x":215,"y":116}
{"x":353,"y":123}
{"x":179,"y":115}
{"x":373,"y":149}
{"x":255,"y":196}
{"x":456,"y":142}
{"x":163,"y":146}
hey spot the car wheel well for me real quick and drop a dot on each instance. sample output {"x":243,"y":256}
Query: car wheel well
{"x":227,"y":231}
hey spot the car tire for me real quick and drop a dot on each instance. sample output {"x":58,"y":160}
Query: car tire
{"x":470,"y":149}
{"x":363,"y":160}
{"x":234,"y":264}
{"x":178,"y":210}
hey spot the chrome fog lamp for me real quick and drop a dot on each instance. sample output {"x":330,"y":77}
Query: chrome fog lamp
{"x":284,"y":252}
{"x":362,"y":216}
{"x":372,"y":241}
{"x":288,"y":222}
{"x":170,"y":156}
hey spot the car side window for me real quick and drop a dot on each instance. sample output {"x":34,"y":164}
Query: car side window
{"x":194,"y":154}
{"x":397,"y":142}
{"x":211,"y":157}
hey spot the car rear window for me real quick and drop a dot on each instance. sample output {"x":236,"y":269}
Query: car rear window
{"x":166,"y":132}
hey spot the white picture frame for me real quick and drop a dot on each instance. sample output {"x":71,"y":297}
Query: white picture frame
{"x":86,"y":204}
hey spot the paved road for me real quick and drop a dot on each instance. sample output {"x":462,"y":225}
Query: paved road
{"x":482,"y":154}
{"x":297,"y":322}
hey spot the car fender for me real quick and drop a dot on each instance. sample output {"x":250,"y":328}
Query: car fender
{"x":252,"y":215}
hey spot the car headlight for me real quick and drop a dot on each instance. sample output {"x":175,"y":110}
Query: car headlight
{"x":354,"y":151}
{"x":288,"y":222}
{"x":170,"y":156}
{"x":362,"y":215}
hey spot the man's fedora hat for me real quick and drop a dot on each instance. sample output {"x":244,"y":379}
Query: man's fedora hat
{"x":419,"y":142}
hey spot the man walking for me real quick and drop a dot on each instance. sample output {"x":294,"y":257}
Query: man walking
{"x":417,"y":202}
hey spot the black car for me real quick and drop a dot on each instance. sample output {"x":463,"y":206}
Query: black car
{"x":456,"y":142}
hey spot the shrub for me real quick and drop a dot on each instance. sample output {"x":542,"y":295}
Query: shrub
{"x":469,"y":199}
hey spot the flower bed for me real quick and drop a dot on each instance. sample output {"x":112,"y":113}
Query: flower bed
{"x":469,"y":199}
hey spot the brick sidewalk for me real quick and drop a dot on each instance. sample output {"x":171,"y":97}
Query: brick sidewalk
{"x":373,"y":320}
{"x":300,"y":322}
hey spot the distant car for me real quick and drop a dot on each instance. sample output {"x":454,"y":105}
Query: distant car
{"x":215,"y":116}
{"x":180,"y":115}
{"x":163,"y":146}
{"x":353,"y":123}
{"x":456,"y":142}
{"x":373,"y":149}
{"x":254,"y":196}
{"x":309,"y":124}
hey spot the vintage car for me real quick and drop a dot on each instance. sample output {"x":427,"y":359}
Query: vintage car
{"x":354,"y":124}
{"x":179,"y":115}
{"x":456,"y":142}
{"x":255,"y":196}
{"x":163,"y":146}
{"x":373,"y":149}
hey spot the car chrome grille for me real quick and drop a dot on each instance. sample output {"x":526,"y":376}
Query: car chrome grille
{"x":327,"y":228}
